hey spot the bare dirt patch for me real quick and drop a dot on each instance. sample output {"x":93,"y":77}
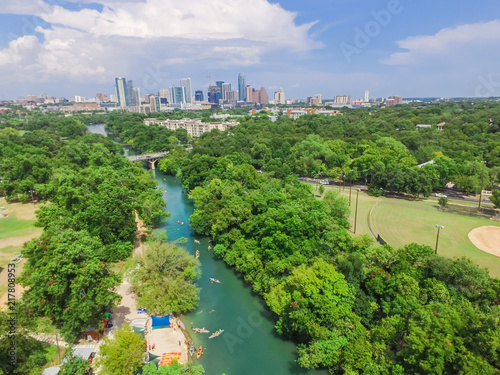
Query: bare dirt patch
{"x":24,"y":211}
{"x":19,"y":241}
{"x":486,"y":239}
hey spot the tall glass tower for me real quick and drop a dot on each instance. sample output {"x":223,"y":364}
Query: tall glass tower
{"x":242,"y":93}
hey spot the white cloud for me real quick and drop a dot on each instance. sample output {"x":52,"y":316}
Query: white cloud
{"x":128,"y":37}
{"x":459,"y":42}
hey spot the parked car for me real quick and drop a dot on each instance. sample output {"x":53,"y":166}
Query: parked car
{"x":312,"y":180}
{"x":439,"y":195}
{"x":324,"y":182}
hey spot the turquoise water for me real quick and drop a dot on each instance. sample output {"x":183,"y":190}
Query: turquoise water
{"x":249,"y":344}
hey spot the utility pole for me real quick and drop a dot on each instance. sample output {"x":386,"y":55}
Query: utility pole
{"x":482,"y":182}
{"x":350,"y":188}
{"x":356,"y":211}
{"x":437,"y":237}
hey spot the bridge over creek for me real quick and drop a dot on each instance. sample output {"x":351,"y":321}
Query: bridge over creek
{"x":150,"y":158}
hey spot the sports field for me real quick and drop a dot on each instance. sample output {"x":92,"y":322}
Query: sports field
{"x":400,"y":222}
{"x":16,"y":227}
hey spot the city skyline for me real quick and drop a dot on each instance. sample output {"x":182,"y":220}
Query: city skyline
{"x":76,"y":47}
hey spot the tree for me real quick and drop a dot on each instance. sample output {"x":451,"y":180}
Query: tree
{"x":443,"y":202}
{"x":121,"y":355}
{"x":321,"y":189}
{"x":495,"y":198}
{"x":67,"y":281}
{"x":174,"y":369}
{"x":164,"y":279}
{"x":74,"y":365}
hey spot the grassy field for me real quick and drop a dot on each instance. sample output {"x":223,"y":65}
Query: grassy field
{"x":401,"y":222}
{"x":15,"y":229}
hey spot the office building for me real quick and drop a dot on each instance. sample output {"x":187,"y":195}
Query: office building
{"x":225,"y":89}
{"x":198,"y":96}
{"x":121,"y":91}
{"x":178,"y":95}
{"x":186,"y":83}
{"x":263,"y":97}
{"x":242,"y":96}
{"x":248,"y":94}
{"x":367,"y":96}
{"x":165,"y":97}
{"x":342,"y":99}
{"x":393,"y":100}
{"x":137,"y":96}
{"x":279,"y":97}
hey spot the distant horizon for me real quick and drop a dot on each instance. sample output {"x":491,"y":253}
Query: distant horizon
{"x":78,"y":47}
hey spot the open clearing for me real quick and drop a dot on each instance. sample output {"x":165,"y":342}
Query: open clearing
{"x":402,"y":221}
{"x":15,"y":229}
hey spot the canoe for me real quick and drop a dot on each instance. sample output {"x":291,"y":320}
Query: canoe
{"x":214,"y":280}
{"x":201,"y":330}
{"x":215,"y":334}
{"x":200,"y":352}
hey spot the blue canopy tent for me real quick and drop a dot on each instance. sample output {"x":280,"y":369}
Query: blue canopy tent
{"x":160,"y":322}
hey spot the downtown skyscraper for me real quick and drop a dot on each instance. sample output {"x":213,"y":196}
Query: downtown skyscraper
{"x":242,"y":93}
{"x":186,"y":83}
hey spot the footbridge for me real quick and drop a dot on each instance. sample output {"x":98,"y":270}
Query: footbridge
{"x":150,"y":158}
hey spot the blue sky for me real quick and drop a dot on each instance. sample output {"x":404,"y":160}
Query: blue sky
{"x":329,"y":47}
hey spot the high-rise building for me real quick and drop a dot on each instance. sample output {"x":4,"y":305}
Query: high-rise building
{"x":279,"y":97}
{"x":249,"y":94}
{"x":198,"y":95}
{"x":214,"y":94}
{"x":121,"y":91}
{"x":367,"y":96}
{"x":242,"y":87}
{"x":137,"y":96}
{"x":178,"y":94}
{"x":263,"y":97}
{"x":226,"y":89}
{"x":186,"y":83}
{"x":165,"y":96}
{"x":342,"y":99}
{"x":130,"y":99}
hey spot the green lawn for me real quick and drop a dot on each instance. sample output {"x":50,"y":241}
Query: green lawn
{"x":11,"y":226}
{"x":401,"y":222}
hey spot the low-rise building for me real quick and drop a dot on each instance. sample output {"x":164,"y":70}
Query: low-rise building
{"x":195,"y":127}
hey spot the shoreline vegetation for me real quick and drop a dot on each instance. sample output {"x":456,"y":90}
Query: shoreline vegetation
{"x":92,"y":196}
{"x":350,"y":306}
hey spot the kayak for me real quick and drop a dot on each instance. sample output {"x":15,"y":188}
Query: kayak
{"x":215,"y":334}
{"x":201,"y":330}
{"x":191,"y":351}
{"x":197,"y":254}
{"x":196,"y":241}
{"x":214,"y":280}
{"x":200,"y":352}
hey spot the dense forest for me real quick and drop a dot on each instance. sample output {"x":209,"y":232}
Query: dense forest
{"x":351,"y":306}
{"x":89,"y":194}
{"x":379,"y":147}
